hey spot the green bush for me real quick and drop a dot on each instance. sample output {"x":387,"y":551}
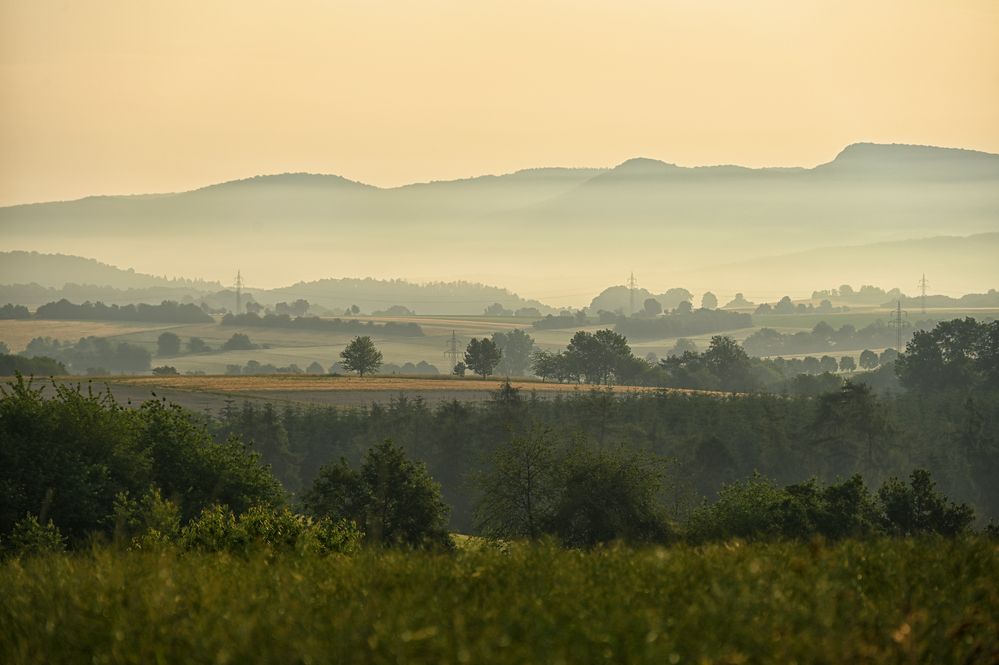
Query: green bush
{"x":30,"y":537}
{"x":74,"y":454}
{"x":217,"y":529}
{"x":759,"y":509}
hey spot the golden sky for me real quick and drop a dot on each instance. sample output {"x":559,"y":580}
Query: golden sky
{"x":127,"y":96}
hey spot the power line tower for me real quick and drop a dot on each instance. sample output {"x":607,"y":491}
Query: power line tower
{"x":239,"y":292}
{"x":923,"y":285}
{"x":897,"y":320}
{"x":453,"y":352}
{"x":632,"y":283}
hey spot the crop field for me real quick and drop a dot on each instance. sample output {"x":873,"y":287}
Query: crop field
{"x":901,"y":601}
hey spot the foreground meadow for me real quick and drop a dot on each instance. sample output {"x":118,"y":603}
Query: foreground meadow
{"x":929,"y":600}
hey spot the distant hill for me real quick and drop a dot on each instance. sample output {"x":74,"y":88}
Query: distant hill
{"x":57,"y":270}
{"x":372,"y":295}
{"x":30,"y":278}
{"x":580,"y":228}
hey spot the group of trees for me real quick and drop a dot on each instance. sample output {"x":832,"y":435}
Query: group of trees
{"x":578,"y":493}
{"x":599,"y":357}
{"x":170,"y":344}
{"x":296,"y":308}
{"x":724,"y":365}
{"x":866,"y":294}
{"x":562,"y":320}
{"x":255,"y":367}
{"x":41,"y":366}
{"x":758,"y":508}
{"x":539,"y":485}
{"x":421,"y":368}
{"x":785,"y":306}
{"x":10,"y":311}
{"x":76,"y":464}
{"x":709,"y":440}
{"x":958,"y":354}
{"x":988,"y":299}
{"x":392,"y":499}
{"x":683,"y":322}
{"x":72,"y":456}
{"x":506,"y":353}
{"x":619,"y":299}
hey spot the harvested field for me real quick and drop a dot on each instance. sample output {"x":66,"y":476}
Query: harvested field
{"x":210,"y":393}
{"x":298,"y":382}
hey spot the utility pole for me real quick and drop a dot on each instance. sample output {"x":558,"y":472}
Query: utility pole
{"x":452,"y":353}
{"x":923,"y":285}
{"x":632,"y":283}
{"x":239,"y":293}
{"x":897,"y":319}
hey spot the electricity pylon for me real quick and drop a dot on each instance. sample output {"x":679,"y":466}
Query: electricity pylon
{"x":632,"y":283}
{"x":453,"y":353}
{"x":239,"y":293}
{"x":897,"y":319}
{"x":923,"y":285}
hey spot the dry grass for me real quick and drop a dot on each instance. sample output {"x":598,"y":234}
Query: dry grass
{"x":16,"y":334}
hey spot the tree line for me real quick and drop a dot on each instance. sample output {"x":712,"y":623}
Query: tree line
{"x":168,"y":311}
{"x":823,"y":337}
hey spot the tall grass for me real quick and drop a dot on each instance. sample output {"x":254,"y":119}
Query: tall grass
{"x":881,"y":601}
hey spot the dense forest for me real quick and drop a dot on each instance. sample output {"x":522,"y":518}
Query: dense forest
{"x":704,"y":449}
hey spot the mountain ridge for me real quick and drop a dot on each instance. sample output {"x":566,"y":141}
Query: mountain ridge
{"x":577,"y":227}
{"x":849,"y":154}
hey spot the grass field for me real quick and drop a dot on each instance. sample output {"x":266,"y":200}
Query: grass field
{"x":901,"y":601}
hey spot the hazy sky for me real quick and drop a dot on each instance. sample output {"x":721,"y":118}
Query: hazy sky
{"x":124,"y":96}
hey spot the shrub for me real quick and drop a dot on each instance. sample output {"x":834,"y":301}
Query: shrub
{"x":30,"y":537}
{"x":217,"y":529}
